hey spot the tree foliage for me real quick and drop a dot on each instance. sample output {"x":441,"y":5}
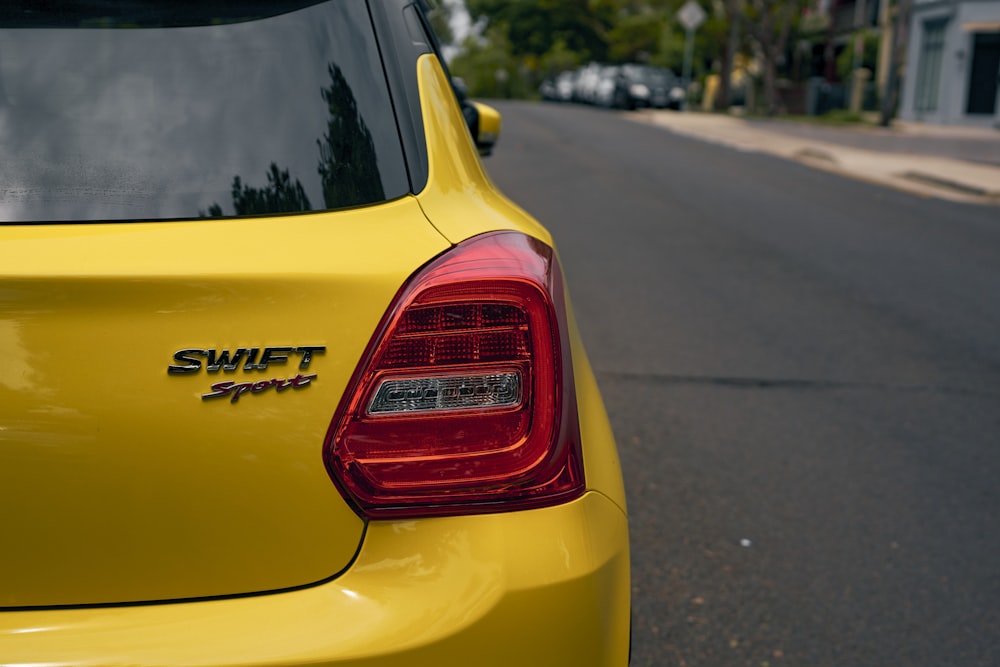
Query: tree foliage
{"x":533,"y":27}
{"x":560,"y":58}
{"x":848,"y":58}
{"x":635,"y":37}
{"x":489,"y":67}
{"x":769,"y":24}
{"x":531,"y":40}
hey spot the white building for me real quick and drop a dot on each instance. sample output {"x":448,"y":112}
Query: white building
{"x":953,"y":63}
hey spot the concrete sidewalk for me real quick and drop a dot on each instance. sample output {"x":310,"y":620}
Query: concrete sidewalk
{"x":960,"y":164}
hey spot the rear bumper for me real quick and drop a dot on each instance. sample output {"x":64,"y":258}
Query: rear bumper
{"x":541,"y":587}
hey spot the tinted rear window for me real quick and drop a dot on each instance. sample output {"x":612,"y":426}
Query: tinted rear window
{"x":152,"y":111}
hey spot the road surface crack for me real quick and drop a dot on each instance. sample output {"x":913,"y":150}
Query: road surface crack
{"x":796,"y":384}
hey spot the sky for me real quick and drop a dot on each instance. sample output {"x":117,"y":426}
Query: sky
{"x":461,"y":25}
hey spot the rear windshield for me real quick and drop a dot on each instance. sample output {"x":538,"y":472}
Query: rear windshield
{"x":172,"y":110}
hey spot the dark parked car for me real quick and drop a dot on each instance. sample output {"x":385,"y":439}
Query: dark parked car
{"x":644,"y":86}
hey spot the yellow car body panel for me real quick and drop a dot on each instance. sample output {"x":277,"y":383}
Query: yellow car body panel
{"x":459,"y":198}
{"x":600,"y":456}
{"x":105,"y":456}
{"x":421,"y":594}
{"x":425,"y":592}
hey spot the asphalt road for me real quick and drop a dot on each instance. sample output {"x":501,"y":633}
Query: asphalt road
{"x":803,"y":375}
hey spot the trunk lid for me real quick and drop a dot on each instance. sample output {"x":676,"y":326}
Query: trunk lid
{"x":119,"y":482}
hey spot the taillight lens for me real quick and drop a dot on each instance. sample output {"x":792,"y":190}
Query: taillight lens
{"x":464,"y":399}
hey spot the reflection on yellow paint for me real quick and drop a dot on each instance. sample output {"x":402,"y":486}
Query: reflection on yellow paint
{"x":15,"y":370}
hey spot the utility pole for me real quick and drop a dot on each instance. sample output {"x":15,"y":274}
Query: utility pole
{"x":729,"y":56}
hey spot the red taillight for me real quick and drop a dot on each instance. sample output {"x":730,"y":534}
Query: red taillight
{"x":464,"y":400}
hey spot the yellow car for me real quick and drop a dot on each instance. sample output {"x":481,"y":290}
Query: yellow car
{"x":284,"y":380}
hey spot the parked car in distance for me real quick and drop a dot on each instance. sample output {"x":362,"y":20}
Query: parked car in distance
{"x":631,"y":86}
{"x":608,"y":83}
{"x":559,"y":88}
{"x":564,"y":85}
{"x":285,"y":380}
{"x":587,"y":79}
{"x":644,"y":86}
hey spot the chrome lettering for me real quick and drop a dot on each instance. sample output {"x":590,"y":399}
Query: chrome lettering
{"x":251,"y":358}
{"x":186,"y":361}
{"x":307,"y":352}
{"x":221,"y":359}
{"x":236,"y":389}
{"x":190,"y":360}
{"x":274,"y":355}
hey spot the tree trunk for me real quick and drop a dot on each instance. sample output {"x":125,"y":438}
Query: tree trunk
{"x":725,"y":97}
{"x":829,"y":57}
{"x":771,"y":83}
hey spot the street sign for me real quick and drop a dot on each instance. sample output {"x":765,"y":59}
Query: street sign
{"x":691,"y":15}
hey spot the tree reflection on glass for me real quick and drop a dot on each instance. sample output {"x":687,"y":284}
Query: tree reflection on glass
{"x":348,"y":165}
{"x":280,"y":195}
{"x":347,"y":161}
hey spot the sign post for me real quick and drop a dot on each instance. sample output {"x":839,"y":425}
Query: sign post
{"x":691,"y":16}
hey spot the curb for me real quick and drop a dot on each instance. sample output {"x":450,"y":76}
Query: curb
{"x":816,"y":154}
{"x":887,"y":169}
{"x":937,"y":181}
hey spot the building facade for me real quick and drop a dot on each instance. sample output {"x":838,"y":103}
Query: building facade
{"x":953,"y":63}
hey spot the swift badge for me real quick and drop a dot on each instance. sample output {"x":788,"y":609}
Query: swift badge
{"x":248,"y":359}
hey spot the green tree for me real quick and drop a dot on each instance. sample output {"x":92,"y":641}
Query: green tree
{"x":635,"y":37}
{"x":530,"y":40}
{"x":847,"y":59}
{"x":533,"y":27}
{"x":488,"y":67}
{"x":769,"y":23}
{"x":669,"y":47}
{"x":731,"y":16}
{"x":560,"y":58}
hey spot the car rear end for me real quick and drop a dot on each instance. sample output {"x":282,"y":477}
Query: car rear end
{"x":283,"y":379}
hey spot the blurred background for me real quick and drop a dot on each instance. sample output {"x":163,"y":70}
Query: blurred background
{"x":780,"y":223}
{"x":842,"y":58}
